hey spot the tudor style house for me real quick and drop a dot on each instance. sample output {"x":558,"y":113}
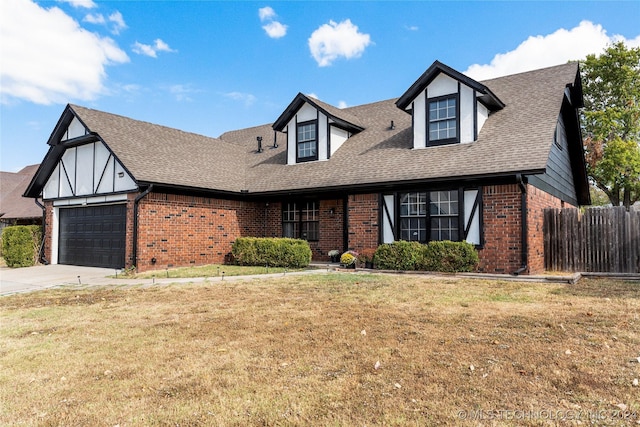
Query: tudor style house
{"x":450,"y":159}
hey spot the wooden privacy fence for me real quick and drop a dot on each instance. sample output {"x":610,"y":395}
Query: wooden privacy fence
{"x":598,"y":240}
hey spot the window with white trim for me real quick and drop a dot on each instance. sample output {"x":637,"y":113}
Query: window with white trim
{"x":307,"y":143}
{"x":443,"y":120}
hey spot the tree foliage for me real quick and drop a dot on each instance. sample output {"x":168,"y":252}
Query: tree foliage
{"x":611,"y":120}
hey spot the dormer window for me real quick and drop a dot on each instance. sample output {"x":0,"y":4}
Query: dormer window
{"x":443,"y":120}
{"x":447,"y":107}
{"x":307,"y":142}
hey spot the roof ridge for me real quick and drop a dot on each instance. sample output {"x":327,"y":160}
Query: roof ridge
{"x":537,"y":70}
{"x":74,"y":107}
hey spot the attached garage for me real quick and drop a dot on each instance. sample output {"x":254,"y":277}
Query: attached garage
{"x":93,"y":236}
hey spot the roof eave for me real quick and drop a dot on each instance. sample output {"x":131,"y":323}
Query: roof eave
{"x":488,"y":97}
{"x":298,"y":102}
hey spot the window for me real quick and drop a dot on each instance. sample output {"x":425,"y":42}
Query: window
{"x":443,"y":120}
{"x":443,"y":210}
{"x":301,"y":220}
{"x":439,"y":222}
{"x":307,"y":142}
{"x":413,"y":221}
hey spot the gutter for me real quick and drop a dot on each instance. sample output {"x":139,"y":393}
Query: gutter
{"x":523,"y":222}
{"x":44,"y":232}
{"x":135,"y":223}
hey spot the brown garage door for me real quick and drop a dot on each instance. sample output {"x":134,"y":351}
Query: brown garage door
{"x":93,"y":236}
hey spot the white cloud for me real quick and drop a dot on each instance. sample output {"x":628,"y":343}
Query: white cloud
{"x":342,"y":104}
{"x":275,"y":30}
{"x":144,"y":49}
{"x":412,"y":27}
{"x":95,"y":18}
{"x":247,"y":98}
{"x":151,"y":50}
{"x":47,"y":57}
{"x":87,"y":4}
{"x":118,"y":22}
{"x":266,"y":13}
{"x":115,"y":18}
{"x":312,"y":95}
{"x":334,"y":40}
{"x":182,"y":92}
{"x":551,"y":49}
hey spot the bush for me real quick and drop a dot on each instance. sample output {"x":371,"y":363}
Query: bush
{"x":366,"y":255}
{"x":271,"y":251}
{"x":450,"y":257}
{"x":20,"y":245}
{"x":443,"y":256}
{"x":399,"y":255}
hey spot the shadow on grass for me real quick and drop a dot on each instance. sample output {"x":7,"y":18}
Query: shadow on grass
{"x":602,"y":288}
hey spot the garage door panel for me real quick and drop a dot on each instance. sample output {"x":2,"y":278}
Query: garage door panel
{"x":93,"y":236}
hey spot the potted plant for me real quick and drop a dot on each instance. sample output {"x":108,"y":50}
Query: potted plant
{"x":348,"y":259}
{"x":366,"y":257}
{"x":334,"y":254}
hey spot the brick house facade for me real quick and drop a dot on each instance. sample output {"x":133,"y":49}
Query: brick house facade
{"x":451,"y":159}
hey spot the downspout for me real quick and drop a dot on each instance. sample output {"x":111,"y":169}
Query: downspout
{"x":44,"y":232}
{"x":523,"y":223}
{"x":135,"y":223}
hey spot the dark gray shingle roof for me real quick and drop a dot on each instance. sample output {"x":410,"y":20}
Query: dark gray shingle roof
{"x":159,"y":154}
{"x":514,"y":139}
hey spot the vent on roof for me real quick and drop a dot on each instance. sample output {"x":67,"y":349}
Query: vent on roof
{"x":275,"y":139}
{"x":259,"y":138}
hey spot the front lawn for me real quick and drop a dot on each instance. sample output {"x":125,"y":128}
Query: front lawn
{"x":330,"y":350}
{"x":212,"y":270}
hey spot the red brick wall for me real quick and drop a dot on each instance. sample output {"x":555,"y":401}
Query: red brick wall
{"x":185,"y":230}
{"x":537,"y":201}
{"x":363,"y":221}
{"x":331,"y":229}
{"x":502,"y":251}
{"x":48,"y":223}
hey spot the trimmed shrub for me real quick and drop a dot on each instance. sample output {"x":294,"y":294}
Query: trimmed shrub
{"x":450,"y":257}
{"x":271,"y":251}
{"x":20,"y":244}
{"x":401,"y":255}
{"x":443,"y":256}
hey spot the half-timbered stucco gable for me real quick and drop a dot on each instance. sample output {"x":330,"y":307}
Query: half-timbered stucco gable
{"x":315,"y":130}
{"x":447,"y":107}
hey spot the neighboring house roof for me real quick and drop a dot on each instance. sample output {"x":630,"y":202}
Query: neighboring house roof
{"x":514,"y":139}
{"x":12,"y":204}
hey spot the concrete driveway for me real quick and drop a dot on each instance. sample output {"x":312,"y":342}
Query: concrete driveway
{"x":15,"y":280}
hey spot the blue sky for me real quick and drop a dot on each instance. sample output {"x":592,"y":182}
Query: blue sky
{"x":212,"y":66}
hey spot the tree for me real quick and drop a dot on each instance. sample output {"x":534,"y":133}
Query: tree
{"x":611,"y":120}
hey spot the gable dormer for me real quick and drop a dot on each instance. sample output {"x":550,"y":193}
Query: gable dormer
{"x":447,"y":107}
{"x":315,"y":130}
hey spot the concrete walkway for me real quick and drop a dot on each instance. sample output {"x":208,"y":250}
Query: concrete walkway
{"x":29,"y":279}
